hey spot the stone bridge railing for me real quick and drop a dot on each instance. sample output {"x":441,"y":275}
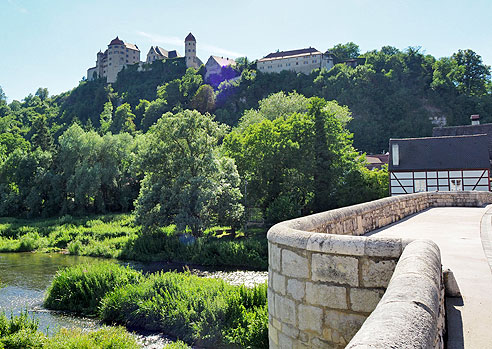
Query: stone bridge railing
{"x":325,"y":279}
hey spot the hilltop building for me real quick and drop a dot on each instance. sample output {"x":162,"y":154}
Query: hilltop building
{"x":157,"y":53}
{"x":192,"y":61}
{"x":118,"y":55}
{"x":215,"y":64}
{"x":302,"y":61}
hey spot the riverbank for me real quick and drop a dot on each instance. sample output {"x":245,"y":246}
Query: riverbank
{"x":200,"y":311}
{"x":116,"y":236}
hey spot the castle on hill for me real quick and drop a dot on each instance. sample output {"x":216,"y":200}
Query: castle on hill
{"x":119,"y":54}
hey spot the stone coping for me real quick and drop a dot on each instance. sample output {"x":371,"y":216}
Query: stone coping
{"x":486,"y":235}
{"x":324,"y":231}
{"x":327,"y":252}
{"x":408,"y":315}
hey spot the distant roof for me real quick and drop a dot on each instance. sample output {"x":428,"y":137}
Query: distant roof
{"x":291,"y":53}
{"x":223,"y":62}
{"x":116,"y":41}
{"x":131,"y":46}
{"x":441,"y":153}
{"x":161,"y":51}
{"x":377,"y":158}
{"x":173,"y":54}
{"x":190,"y":37}
{"x":466,"y":130}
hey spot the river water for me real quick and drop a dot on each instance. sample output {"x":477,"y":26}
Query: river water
{"x":26,"y":276}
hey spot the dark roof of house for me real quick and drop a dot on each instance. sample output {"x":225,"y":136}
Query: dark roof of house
{"x":466,"y":130}
{"x":291,"y":53}
{"x":173,"y":54}
{"x":441,"y":153}
{"x":116,"y":41}
{"x":190,"y":37}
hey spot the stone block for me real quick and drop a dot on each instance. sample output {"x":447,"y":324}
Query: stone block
{"x":337,"y":244}
{"x":277,"y":324}
{"x":294,"y":265}
{"x":278,"y":283}
{"x":296,"y":289}
{"x":285,"y":342}
{"x":290,"y":331}
{"x":310,"y":318}
{"x":377,"y":273}
{"x":363,"y":300}
{"x":383,"y":247}
{"x":338,"y":269}
{"x":329,"y":296}
{"x":273,"y":336}
{"x":274,"y":257}
{"x":271,"y":302}
{"x":285,"y":310}
{"x":345,"y":325}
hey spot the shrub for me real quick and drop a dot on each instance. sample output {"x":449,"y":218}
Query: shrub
{"x":20,"y":332}
{"x":80,"y":288}
{"x":104,"y":338}
{"x":177,"y":345}
{"x":206,"y":312}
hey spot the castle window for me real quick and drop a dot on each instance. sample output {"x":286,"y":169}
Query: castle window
{"x":109,"y":63}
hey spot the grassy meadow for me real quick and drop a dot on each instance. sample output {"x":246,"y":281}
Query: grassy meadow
{"x":117,"y":236}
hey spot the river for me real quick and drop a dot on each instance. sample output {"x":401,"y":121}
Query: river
{"x":26,"y":276}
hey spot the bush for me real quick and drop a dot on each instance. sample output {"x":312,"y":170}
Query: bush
{"x":205,"y":312}
{"x":20,"y":332}
{"x":177,"y":345}
{"x":80,"y":288}
{"x":104,"y":338}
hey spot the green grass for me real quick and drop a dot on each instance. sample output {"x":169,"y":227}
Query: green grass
{"x":200,"y":311}
{"x":19,"y":332}
{"x":117,"y":236}
{"x":80,"y":288}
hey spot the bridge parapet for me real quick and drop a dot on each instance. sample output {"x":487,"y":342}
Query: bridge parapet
{"x":325,"y":279}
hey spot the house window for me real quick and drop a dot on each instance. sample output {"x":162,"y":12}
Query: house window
{"x":456,"y":185}
{"x":395,"y":154}
{"x":419,"y":185}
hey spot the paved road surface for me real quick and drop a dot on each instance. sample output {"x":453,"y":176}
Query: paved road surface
{"x":456,"y":230}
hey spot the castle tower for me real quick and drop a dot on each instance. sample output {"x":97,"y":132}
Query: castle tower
{"x":190,"y":51}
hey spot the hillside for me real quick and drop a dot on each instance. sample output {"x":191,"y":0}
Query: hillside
{"x":394,"y":94}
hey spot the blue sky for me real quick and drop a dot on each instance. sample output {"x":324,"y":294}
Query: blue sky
{"x":51,"y":43}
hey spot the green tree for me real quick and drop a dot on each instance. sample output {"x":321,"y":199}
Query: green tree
{"x":345,"y":51}
{"x":204,"y":99}
{"x":41,"y":134}
{"x":187,"y":181}
{"x":471,"y":75}
{"x":123,"y":119}
{"x":106,"y":117}
{"x":42,"y":93}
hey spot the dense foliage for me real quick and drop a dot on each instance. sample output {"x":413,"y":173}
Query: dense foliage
{"x":100,"y":147}
{"x":81,"y":288}
{"x":22,"y":331}
{"x":200,"y":311}
{"x":117,"y":236}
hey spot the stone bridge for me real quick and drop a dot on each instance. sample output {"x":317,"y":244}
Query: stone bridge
{"x":350,"y":278}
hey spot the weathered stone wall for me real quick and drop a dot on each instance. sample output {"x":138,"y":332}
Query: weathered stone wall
{"x":325,"y":279}
{"x":410,"y":314}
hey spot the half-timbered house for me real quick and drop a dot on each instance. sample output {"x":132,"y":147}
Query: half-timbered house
{"x":439,"y":164}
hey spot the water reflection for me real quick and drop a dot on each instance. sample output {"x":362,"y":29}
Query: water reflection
{"x":26,"y":277}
